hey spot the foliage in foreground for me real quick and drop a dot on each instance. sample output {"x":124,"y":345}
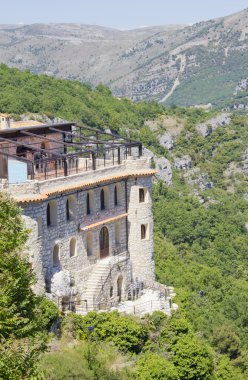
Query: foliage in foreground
{"x":24,"y":317}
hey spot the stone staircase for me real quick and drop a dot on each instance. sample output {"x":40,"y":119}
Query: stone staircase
{"x":97,"y":280}
{"x":94,"y":284}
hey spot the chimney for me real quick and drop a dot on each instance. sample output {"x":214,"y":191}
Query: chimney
{"x":4,"y":121}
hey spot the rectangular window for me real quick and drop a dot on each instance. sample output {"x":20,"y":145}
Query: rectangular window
{"x":141,"y":195}
{"x":143,"y":231}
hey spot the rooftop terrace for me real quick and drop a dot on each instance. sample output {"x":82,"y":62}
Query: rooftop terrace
{"x":43,"y":152}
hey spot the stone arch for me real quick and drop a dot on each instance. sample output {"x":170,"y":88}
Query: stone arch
{"x":70,"y":207}
{"x":73,"y":247}
{"x":104,"y":242}
{"x":56,"y":255}
{"x":119,"y":288}
{"x":51,"y":213}
{"x":89,"y":242}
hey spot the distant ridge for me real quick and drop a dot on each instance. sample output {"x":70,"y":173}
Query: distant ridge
{"x":176,"y":64}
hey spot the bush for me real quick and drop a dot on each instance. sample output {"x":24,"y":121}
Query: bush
{"x":153,"y":366}
{"x":124,"y":331}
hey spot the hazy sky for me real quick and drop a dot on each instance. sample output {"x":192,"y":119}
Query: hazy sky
{"x":117,"y":13}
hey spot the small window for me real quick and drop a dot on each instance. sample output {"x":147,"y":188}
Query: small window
{"x":102,"y":200}
{"x":88,"y":204}
{"x":73,"y":247}
{"x":116,"y":196}
{"x":51,"y":213}
{"x":48,"y":211}
{"x":143,"y":231}
{"x":67,"y":210}
{"x":141,"y":195}
{"x":56,"y":260}
{"x":111,"y":291}
{"x":117,"y":233}
{"x":89,"y":244}
{"x":39,"y":224}
{"x":70,"y":207}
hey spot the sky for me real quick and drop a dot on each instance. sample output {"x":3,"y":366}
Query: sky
{"x":120,"y":14}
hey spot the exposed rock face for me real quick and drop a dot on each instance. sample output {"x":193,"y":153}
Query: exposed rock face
{"x":165,"y":170}
{"x":60,"y":284}
{"x":166,"y":141}
{"x":205,"y":129}
{"x":245,"y":162}
{"x":163,"y":166}
{"x":202,"y":181}
{"x":183,"y":163}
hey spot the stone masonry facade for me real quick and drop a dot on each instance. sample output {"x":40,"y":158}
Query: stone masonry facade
{"x":87,"y":201}
{"x":65,"y":248}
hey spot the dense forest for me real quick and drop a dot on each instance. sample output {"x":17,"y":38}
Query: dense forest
{"x":200,"y":248}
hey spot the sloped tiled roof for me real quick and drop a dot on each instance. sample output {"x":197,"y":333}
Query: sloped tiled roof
{"x":105,"y":221}
{"x":23,"y":123}
{"x":82,"y":185}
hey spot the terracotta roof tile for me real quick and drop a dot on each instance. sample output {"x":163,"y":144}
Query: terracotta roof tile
{"x":109,"y":220}
{"x":23,"y":123}
{"x":81,"y":185}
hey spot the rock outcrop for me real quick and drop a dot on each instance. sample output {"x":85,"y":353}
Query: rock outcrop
{"x":163,"y":166}
{"x":166,"y":141}
{"x":205,"y":129}
{"x":183,"y":163}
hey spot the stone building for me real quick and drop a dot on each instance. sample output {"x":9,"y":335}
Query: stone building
{"x":86,"y":197}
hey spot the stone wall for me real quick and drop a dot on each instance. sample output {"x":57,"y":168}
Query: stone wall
{"x":64,"y":253}
{"x":140,"y":213}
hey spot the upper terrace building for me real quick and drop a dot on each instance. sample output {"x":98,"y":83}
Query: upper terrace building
{"x":86,"y":196}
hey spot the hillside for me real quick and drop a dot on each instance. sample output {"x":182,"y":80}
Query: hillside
{"x":183,"y":65}
{"x":201,"y":234}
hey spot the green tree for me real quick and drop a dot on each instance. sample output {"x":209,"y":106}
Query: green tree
{"x":24,"y":317}
{"x":152,"y":366}
{"x":193,"y":359}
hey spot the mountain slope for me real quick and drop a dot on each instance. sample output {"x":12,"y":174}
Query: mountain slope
{"x":179,"y":64}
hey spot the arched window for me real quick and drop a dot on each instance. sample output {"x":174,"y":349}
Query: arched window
{"x":88,"y":204}
{"x":70,"y":207}
{"x":143,"y":231}
{"x":73,"y":247}
{"x":56,"y":260}
{"x":67,"y":210}
{"x":39,"y":225}
{"x":102,"y":199}
{"x":104,"y":243}
{"x":119,"y":287}
{"x":89,"y":244}
{"x":116,"y":196}
{"x":111,"y":292}
{"x":51,"y":212}
{"x":48,"y":212}
{"x":117,"y":233}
